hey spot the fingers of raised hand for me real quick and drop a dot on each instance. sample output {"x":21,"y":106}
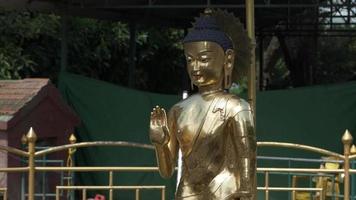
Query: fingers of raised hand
{"x":163,"y":117}
{"x":158,"y":117}
{"x":154,"y":117}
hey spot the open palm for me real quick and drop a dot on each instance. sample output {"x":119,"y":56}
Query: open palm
{"x":158,"y":126}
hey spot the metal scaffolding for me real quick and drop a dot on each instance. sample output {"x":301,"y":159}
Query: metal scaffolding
{"x":290,"y":18}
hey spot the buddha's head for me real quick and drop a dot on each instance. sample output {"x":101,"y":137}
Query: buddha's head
{"x":209,"y":54}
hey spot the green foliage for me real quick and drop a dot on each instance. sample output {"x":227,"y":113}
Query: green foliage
{"x":100,"y":49}
{"x":25,"y":43}
{"x":30,"y":46}
{"x":12,"y":62}
{"x":97,"y":49}
{"x":161,"y":61}
{"x":336,"y":60}
{"x":239,"y":89}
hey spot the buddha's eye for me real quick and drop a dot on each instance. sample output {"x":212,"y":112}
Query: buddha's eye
{"x":204,"y":59}
{"x":189,"y":59}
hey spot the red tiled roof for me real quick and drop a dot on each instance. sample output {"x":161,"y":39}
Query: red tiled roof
{"x":14,"y":94}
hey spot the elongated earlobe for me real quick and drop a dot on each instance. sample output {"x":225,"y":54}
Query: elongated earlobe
{"x":227,"y":81}
{"x":228,"y":67}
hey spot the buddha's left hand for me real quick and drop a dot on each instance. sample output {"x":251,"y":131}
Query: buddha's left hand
{"x":159,"y":134}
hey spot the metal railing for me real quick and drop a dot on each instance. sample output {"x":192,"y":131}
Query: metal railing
{"x":31,"y":169}
{"x":136,"y":188}
{"x":3,"y":191}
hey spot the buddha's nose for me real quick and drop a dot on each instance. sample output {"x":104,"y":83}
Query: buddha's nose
{"x":196,"y":66}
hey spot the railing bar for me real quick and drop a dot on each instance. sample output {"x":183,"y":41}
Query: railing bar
{"x":43,"y":179}
{"x":294,"y":182}
{"x":146,"y":146}
{"x":289,"y":189}
{"x":47,"y":195}
{"x":310,"y":170}
{"x":154,"y":169}
{"x":108,"y":187}
{"x":14,"y":151}
{"x":40,"y":194}
{"x":301,"y":174}
{"x":289,"y":174}
{"x":352,"y":156}
{"x":111,"y":176}
{"x":137,"y":194}
{"x":84,"y":194}
{"x":91,"y":144}
{"x":14,"y":169}
{"x":202,"y":6}
{"x":266,"y":185}
{"x":103,"y":169}
{"x":297,"y":159}
{"x":48,"y":161}
{"x":163,"y":193}
{"x":57,"y":193}
{"x":299,"y":146}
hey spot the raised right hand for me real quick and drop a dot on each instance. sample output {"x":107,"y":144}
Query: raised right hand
{"x":159,"y":134}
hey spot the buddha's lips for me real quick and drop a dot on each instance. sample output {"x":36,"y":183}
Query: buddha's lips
{"x":196,"y":74}
{"x":197,"y":77}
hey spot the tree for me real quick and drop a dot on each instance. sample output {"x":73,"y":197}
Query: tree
{"x":27,"y":44}
{"x":30,"y":46}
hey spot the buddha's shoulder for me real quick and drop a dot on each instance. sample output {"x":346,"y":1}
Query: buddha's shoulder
{"x":234,"y":100}
{"x":229,"y":102}
{"x":195,"y":98}
{"x":235,"y":104}
{"x":182,"y":104}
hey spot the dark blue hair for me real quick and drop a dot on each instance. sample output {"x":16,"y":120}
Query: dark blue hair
{"x":206,"y":29}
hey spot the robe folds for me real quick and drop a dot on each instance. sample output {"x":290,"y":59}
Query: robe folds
{"x":217,"y":139}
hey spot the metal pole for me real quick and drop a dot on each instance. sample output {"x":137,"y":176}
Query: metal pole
{"x":294,"y":183}
{"x":289,"y":179}
{"x":31,"y":138}
{"x":266,"y":185}
{"x":23,"y":184}
{"x":137,"y":194}
{"x":347,"y":141}
{"x":70,"y":174}
{"x":132,"y":54}
{"x":44,"y":179}
{"x":111,"y":183}
{"x":64,"y":42}
{"x":261,"y":80}
{"x":353,"y":179}
{"x":84,"y":194}
{"x":163,"y":195}
{"x":57,"y":193}
{"x":250,"y":26}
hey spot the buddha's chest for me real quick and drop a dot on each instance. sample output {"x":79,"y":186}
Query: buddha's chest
{"x":197,"y":124}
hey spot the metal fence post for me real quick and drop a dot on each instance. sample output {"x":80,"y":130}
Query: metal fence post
{"x":23,"y":163}
{"x":70,"y":163}
{"x":347,"y":141}
{"x":353,"y":179}
{"x":31,"y":139}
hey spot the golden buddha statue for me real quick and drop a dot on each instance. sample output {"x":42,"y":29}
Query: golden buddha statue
{"x":213,"y":129}
{"x":329,"y":184}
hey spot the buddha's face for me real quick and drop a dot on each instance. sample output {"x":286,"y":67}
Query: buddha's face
{"x":205,"y":62}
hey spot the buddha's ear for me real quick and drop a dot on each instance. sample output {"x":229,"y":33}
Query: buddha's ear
{"x":228,"y":67}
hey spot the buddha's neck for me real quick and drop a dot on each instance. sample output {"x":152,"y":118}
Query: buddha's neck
{"x":211,"y":89}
